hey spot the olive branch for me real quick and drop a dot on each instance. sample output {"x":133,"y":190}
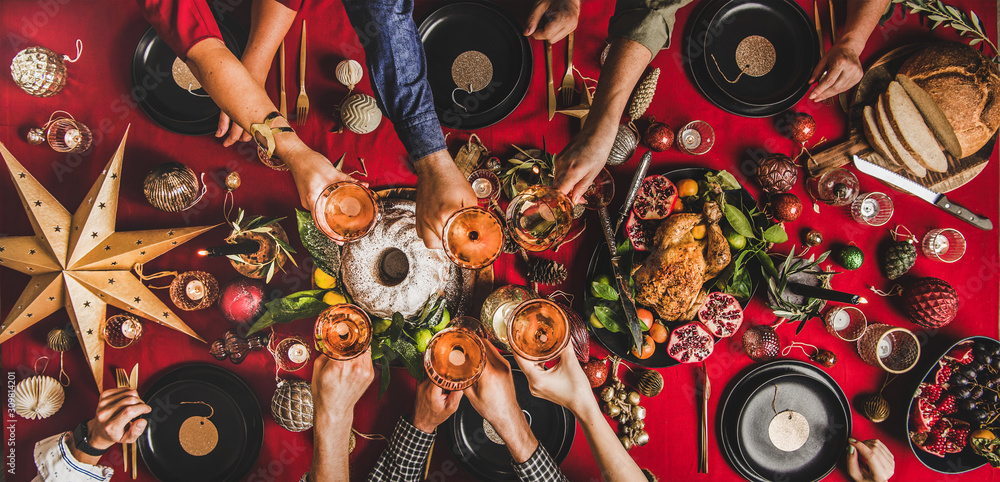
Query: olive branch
{"x":966,"y":24}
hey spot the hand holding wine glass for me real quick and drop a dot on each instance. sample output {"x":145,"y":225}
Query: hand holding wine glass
{"x":433,"y":406}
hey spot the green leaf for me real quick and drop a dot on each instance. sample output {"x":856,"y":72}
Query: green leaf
{"x":624,"y":247}
{"x":383,"y":381}
{"x":411,"y":358}
{"x":724,"y":179}
{"x":610,"y":317}
{"x":296,"y":306}
{"x":395,"y":330}
{"x":767,"y":264}
{"x":604,"y":291}
{"x":776,"y":234}
{"x":325,"y":253}
{"x":738,"y":221}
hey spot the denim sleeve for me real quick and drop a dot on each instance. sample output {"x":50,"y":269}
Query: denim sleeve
{"x":398,"y":70}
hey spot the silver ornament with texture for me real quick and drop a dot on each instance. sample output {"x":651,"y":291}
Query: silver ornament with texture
{"x":36,"y":136}
{"x":61,"y":339}
{"x":814,"y":238}
{"x":292,"y":405}
{"x":360,"y":114}
{"x":650,"y":383}
{"x":875,"y":408}
{"x":349,"y":73}
{"x":38,"y":71}
{"x":624,"y":147}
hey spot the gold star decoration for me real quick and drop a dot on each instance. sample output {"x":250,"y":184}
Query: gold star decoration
{"x":70,"y":267}
{"x":581,"y":110}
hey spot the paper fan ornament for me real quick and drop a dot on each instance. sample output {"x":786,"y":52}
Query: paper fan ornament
{"x":38,"y":397}
{"x":79,"y":262}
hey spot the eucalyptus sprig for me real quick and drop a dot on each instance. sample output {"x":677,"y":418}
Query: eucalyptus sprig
{"x":261,"y":225}
{"x":966,"y":24}
{"x":540,"y":166}
{"x":778,"y":281}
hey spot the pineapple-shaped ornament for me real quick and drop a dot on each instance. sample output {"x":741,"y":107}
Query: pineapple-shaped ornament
{"x":292,"y":405}
{"x":900,"y":255}
{"x":777,"y":173}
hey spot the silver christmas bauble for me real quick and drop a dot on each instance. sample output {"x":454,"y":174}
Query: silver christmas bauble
{"x":624,"y":147}
{"x":172,"y":187}
{"x":292,"y":405}
{"x":360,"y":114}
{"x":36,"y":136}
{"x":38,"y":71}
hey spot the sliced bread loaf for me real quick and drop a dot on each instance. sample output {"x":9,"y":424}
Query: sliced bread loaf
{"x":875,"y":137}
{"x":933,"y":116}
{"x":912,"y":131}
{"x":892,"y":141}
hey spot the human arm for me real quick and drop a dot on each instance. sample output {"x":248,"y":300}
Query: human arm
{"x":567,"y":385}
{"x":269,"y":22}
{"x":879,"y":463}
{"x":337,"y":386}
{"x":560,"y":18}
{"x":841,"y":62}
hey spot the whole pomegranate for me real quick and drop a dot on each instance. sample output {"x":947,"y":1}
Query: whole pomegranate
{"x":777,"y":173}
{"x":597,"y":372}
{"x":655,"y":198}
{"x":721,"y":314}
{"x":658,"y":137}
{"x":690,"y":343}
{"x":930,"y":302}
{"x":785,"y":207}
{"x":242,"y":300}
{"x":800,"y":127}
{"x":578,"y":333}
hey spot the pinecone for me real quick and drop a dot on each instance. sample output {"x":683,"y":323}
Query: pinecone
{"x":546,"y":272}
{"x":509,"y":245}
{"x":643,"y":94}
{"x":930,"y":302}
{"x":777,"y":173}
{"x":899,"y":258}
{"x":292,"y":405}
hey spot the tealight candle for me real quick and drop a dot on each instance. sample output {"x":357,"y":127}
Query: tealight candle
{"x":298,"y":353}
{"x":884,"y":348}
{"x":457,"y":357}
{"x":72,"y":138}
{"x":131,"y":329}
{"x":841,"y":320}
{"x":350,"y":206}
{"x":500,"y":319}
{"x":482,"y":187}
{"x":195,"y":290}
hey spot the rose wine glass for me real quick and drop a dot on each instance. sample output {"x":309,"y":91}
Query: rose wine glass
{"x":600,"y":192}
{"x":455,"y":356}
{"x":346,"y":211}
{"x":473,"y":238}
{"x":343,"y":332}
{"x":537,"y":330}
{"x":539,"y":217}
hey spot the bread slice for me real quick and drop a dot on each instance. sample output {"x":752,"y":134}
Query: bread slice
{"x":912,"y":131}
{"x":901,"y":154}
{"x":875,"y":137}
{"x":933,"y":116}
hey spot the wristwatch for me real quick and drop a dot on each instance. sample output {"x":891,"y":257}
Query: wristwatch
{"x":263,"y":135}
{"x":81,"y":440}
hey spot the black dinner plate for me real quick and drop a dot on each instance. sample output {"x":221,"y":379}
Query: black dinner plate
{"x":167,"y":104}
{"x":965,"y":460}
{"x":237,"y":417}
{"x":719,"y":27}
{"x":483,"y":26}
{"x":620,"y":344}
{"x":553,"y":426}
{"x":749,"y":406}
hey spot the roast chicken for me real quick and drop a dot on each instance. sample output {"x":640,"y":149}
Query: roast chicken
{"x":670,"y":280}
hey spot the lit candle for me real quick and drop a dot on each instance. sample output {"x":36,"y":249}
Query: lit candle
{"x":131,"y":329}
{"x":350,"y":206}
{"x":482,"y":187}
{"x":869,"y":208}
{"x":941,"y":244}
{"x":298,"y":353}
{"x":884,"y":347}
{"x":195,"y":290}
{"x":691,"y":138}
{"x":72,"y":138}
{"x":841,"y":320}
{"x":247,"y":246}
{"x":341,"y":329}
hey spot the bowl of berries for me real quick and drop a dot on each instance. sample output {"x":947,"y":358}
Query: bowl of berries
{"x":955,"y":411}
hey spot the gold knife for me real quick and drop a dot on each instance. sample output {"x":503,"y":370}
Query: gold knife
{"x":819,"y":28}
{"x":551,"y":81}
{"x":133,"y":381}
{"x":283,"y":110}
{"x":833,"y":23}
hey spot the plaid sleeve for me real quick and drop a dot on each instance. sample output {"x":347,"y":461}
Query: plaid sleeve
{"x":539,"y":467}
{"x":406,"y":455}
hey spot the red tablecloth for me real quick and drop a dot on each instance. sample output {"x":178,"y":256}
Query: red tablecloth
{"x":98,"y":94}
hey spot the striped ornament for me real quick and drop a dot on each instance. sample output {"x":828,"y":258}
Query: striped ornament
{"x":172,"y":187}
{"x":349,"y":73}
{"x":360,"y":114}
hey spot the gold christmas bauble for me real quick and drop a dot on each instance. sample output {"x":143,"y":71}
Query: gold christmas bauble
{"x":39,"y":71}
{"x":875,"y":408}
{"x":360,"y":114}
{"x":292,"y":405}
{"x":172,"y":187}
{"x":36,"y":136}
{"x":349,"y":73}
{"x":60,"y":339}
{"x":233,"y":181}
{"x":650,"y":383}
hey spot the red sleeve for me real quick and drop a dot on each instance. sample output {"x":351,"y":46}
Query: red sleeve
{"x":182,"y":23}
{"x":292,"y":4}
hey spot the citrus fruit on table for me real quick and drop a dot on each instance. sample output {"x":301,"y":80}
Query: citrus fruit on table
{"x":422,"y":337}
{"x":333,"y":298}
{"x":381,"y":324}
{"x":445,"y":320}
{"x":645,"y":316}
{"x":324,"y":281}
{"x":850,"y":257}
{"x":687,"y":187}
{"x":736,"y":240}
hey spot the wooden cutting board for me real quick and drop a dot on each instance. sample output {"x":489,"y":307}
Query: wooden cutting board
{"x":875,"y":81}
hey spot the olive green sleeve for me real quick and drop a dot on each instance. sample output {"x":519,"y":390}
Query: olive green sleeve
{"x":648,"y":22}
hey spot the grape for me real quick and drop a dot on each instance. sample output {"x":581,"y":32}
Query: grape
{"x":969,"y":373}
{"x":976,"y":393}
{"x":990,"y":398}
{"x":961,"y":393}
{"x":967,"y":405}
{"x":978,"y":415}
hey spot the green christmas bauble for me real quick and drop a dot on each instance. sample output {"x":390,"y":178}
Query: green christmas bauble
{"x":850,"y":257}
{"x":899,"y":258}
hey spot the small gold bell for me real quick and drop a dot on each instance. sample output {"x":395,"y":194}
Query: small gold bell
{"x":36,"y":136}
{"x":233,"y":181}
{"x":875,"y":408}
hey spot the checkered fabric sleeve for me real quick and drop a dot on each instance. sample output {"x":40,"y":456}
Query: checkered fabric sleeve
{"x":406,"y":455}
{"x":540,"y":467}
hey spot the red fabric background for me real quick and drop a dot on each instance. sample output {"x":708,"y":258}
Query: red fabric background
{"x":98,"y":95}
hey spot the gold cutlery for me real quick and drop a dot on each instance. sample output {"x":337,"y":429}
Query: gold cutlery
{"x":550,"y":80}
{"x":819,"y":28}
{"x":133,"y":381}
{"x":706,"y":392}
{"x":833,"y":23}
{"x":568,"y":81}
{"x":283,"y":103}
{"x":121,"y":379}
{"x":302,"y":104}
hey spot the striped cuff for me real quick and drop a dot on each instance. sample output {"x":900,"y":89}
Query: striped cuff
{"x":55,"y":462}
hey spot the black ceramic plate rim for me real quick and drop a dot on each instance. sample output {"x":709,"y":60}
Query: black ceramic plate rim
{"x":713,"y":93}
{"x":601,"y":252}
{"x":790,"y":367}
{"x":917,"y":451}
{"x":203,"y":371}
{"x":790,"y":4}
{"x":517,"y":92}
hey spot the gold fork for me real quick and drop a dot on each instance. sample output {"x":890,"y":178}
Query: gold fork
{"x":121,"y":378}
{"x":283,"y":102}
{"x":302,"y":104}
{"x":568,"y":82}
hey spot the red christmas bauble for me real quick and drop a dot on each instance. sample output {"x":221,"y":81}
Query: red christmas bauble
{"x":658,"y":137}
{"x":242,"y":300}
{"x":801,"y":127}
{"x":930,"y":302}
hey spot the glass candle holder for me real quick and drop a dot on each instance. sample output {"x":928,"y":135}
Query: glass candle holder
{"x":343,"y":332}
{"x":473,"y":238}
{"x":838,"y":187}
{"x":346,"y":211}
{"x":846,"y":322}
{"x":497,"y":306}
{"x":292,"y":354}
{"x":873,"y":209}
{"x":696,"y":138}
{"x":194,"y":290}
{"x":539,"y":217}
{"x":600,"y":192}
{"x":485,"y":184}
{"x":122,"y":330}
{"x":946,"y":245}
{"x":455,"y":356}
{"x":537,"y":330}
{"x":891,"y":348}
{"x":68,"y":135}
